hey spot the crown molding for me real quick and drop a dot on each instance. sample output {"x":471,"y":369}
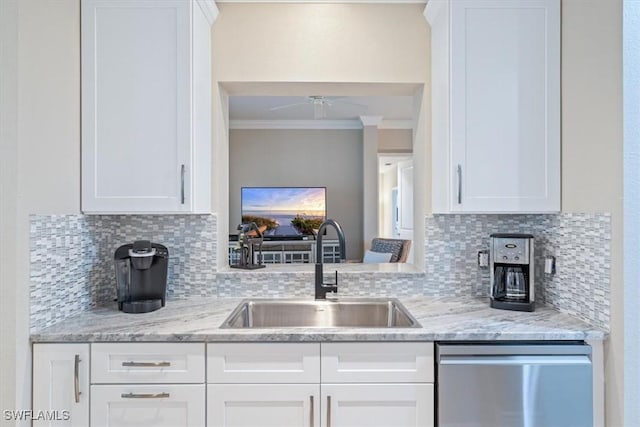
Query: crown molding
{"x":315,"y":124}
{"x":295,"y":124}
{"x":433,"y":10}
{"x":371,"y":120}
{"x":210,"y":10}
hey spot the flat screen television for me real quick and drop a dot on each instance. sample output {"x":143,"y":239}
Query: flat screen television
{"x":286,"y":212}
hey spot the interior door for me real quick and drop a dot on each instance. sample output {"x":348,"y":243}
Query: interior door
{"x":405,"y":202}
{"x":394,"y":213}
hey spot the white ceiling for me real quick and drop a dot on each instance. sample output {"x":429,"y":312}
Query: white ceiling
{"x":390,"y":108}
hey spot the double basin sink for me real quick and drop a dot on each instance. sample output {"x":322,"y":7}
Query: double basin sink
{"x":343,"y":313}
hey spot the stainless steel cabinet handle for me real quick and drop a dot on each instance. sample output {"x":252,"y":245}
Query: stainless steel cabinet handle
{"x":328,"y":411}
{"x":459,"y":170}
{"x":76,"y":379}
{"x":147,"y":364}
{"x":145,"y":395}
{"x":311,"y":411}
{"x":182,"y":184}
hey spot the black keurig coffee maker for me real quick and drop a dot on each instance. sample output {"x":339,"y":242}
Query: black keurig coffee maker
{"x":512,"y":272}
{"x":141,"y":276}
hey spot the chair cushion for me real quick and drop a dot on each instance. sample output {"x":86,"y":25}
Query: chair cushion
{"x":393,"y":246}
{"x":371,"y":257}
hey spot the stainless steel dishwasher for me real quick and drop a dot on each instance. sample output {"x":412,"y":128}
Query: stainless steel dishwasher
{"x":503,"y":385}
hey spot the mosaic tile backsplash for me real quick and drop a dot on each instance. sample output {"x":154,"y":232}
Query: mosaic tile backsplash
{"x":264,"y":284}
{"x":61,"y":261}
{"x":190,"y":239}
{"x":72,"y":262}
{"x":581,"y":244}
{"x":72,"y":266}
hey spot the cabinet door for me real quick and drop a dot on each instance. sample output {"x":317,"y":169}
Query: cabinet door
{"x":256,"y":405}
{"x":505,"y":106}
{"x":61,"y":384}
{"x":148,"y":405}
{"x":377,"y":405}
{"x":136,"y":106}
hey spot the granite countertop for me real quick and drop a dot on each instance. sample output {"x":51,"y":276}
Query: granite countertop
{"x":442,"y":319}
{"x":344,"y":268}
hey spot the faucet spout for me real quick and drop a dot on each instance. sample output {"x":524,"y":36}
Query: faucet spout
{"x":323,"y":288}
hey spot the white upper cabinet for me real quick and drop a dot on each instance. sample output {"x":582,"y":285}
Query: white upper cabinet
{"x":146,"y":106}
{"x":496,"y":105}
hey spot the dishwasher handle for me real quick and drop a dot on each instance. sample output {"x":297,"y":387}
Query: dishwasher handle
{"x":515,"y":360}
{"x":511,"y":350}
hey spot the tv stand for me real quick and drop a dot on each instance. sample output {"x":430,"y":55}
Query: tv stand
{"x":290,"y":251}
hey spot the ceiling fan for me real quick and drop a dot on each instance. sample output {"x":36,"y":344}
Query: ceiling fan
{"x":320,"y":104}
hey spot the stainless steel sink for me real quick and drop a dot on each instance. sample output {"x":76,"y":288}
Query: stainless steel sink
{"x":343,"y":313}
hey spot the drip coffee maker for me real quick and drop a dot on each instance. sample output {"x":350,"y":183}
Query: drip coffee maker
{"x":512,"y":272}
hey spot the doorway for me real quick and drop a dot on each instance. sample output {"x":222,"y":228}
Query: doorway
{"x":396,"y":198}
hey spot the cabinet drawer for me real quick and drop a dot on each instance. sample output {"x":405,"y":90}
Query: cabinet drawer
{"x":140,"y":363}
{"x":377,"y":363}
{"x":156,"y":405}
{"x":263,"y":363}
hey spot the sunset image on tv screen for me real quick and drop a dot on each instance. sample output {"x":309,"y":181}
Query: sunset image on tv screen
{"x":284,"y":211}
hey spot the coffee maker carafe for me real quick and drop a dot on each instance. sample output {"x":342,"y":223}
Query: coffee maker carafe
{"x":512,"y":272}
{"x":141,"y":276}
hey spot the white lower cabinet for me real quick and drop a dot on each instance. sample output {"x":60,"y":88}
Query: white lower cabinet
{"x":252,"y":405}
{"x":377,"y":384}
{"x":377,"y":405}
{"x":308,"y":405}
{"x":377,"y":362}
{"x":263,"y":363}
{"x":148,"y":405}
{"x":142,"y":363}
{"x":246,"y":384}
{"x":147,"y":384}
{"x":61,"y":385}
{"x":327,"y":384}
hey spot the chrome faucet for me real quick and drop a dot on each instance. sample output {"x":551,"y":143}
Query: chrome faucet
{"x":323,"y":288}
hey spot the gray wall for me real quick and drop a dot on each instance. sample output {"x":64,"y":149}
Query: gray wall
{"x":301,"y":158}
